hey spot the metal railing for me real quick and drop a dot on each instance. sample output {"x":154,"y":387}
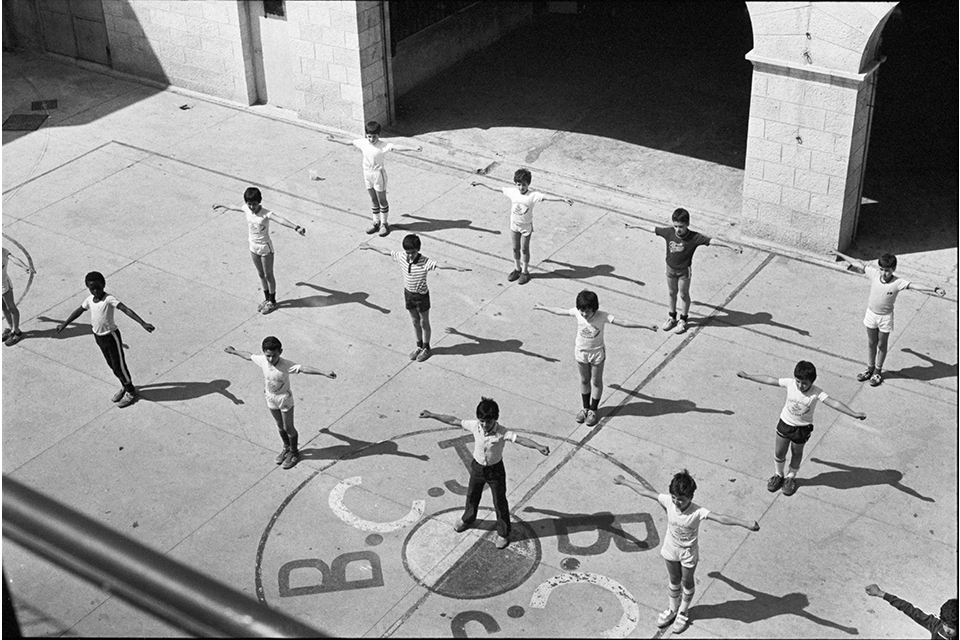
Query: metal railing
{"x":169,"y":590}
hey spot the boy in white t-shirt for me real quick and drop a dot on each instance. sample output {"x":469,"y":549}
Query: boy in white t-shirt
{"x":374,"y":174}
{"x":101,"y":305}
{"x":589,"y":350}
{"x":276,"y":390}
{"x":681,"y":549}
{"x":521,"y":219}
{"x":884,"y":287}
{"x":796,"y":420}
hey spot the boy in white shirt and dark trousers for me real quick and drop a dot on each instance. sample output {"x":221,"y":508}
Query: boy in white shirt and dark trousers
{"x":101,"y":305}
{"x":489,"y":438}
{"x":796,"y":420}
{"x":374,"y":173}
{"x":884,"y":287}
{"x":521,"y":219}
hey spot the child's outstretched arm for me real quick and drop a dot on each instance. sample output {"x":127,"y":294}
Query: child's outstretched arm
{"x":547,"y":198}
{"x":633,"y":486}
{"x":642,"y":227}
{"x":842,"y":408}
{"x":73,"y":316}
{"x":406,"y":147}
{"x":223,"y":207}
{"x":236,"y":352}
{"x":730,"y":520}
{"x":130,"y":312}
{"x":714,"y":242}
{"x":530,"y":444}
{"x":620,"y":322}
{"x":914,"y":286}
{"x":452,"y":268}
{"x":853,"y":262}
{"x":316,"y":372}
{"x":368,"y":247}
{"x":451,"y":420}
{"x":279,"y":219}
{"x":875,"y":591}
{"x":554,"y":310}
{"x":27,"y":267}
{"x":762,"y":379}
{"x":333,"y":138}
{"x":484,"y":185}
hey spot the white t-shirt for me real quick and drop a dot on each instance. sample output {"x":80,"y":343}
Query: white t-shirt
{"x":798,"y":409}
{"x":101,"y":314}
{"x":276,"y":379}
{"x":488,"y":449}
{"x":258,"y":225}
{"x":590,"y":332}
{"x":372,"y":153}
{"x":521,"y":205}
{"x":683,"y":527}
{"x":883,"y":294}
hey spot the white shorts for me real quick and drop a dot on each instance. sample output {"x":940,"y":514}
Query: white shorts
{"x":523,"y":228}
{"x":376,"y":180}
{"x":261,"y":249}
{"x":7,"y":285}
{"x":873,"y":320}
{"x":283,"y":401}
{"x":592,"y":356}
{"x":687,"y":556}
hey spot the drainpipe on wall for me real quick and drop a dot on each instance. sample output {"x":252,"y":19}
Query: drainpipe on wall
{"x":387,"y":59}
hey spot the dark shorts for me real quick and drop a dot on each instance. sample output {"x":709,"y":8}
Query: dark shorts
{"x":418,"y":301}
{"x":679,"y":274}
{"x":798,"y":435}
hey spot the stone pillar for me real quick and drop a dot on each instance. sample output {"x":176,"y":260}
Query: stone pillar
{"x":813,"y":84}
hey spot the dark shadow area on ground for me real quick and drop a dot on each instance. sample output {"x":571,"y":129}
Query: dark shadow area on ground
{"x":762,"y":607}
{"x":732,"y":318}
{"x":425,"y":225}
{"x":850,"y":477}
{"x":174,"y":391}
{"x":355,"y":448}
{"x":652,"y":406}
{"x":607,"y":526}
{"x":581,"y":272}
{"x":73,"y":330}
{"x":332,"y":297}
{"x":935,"y":371}
{"x":484,"y":345}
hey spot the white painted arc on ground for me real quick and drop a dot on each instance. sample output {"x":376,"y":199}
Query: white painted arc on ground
{"x":342,"y":512}
{"x":631,"y":612}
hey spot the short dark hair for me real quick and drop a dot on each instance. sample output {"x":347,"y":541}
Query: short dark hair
{"x":805,"y":371}
{"x":887,"y":261}
{"x":411,"y":242}
{"x":95,"y":276}
{"x":683,"y":485}
{"x":272,"y":343}
{"x":372,"y":128}
{"x":681,"y":215}
{"x":252,"y":194}
{"x":488,"y":409}
{"x":523,"y":176}
{"x":587,"y":299}
{"x":948,"y":612}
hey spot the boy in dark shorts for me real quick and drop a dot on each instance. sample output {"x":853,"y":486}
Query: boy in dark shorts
{"x":101,"y":305}
{"x":944,"y":627}
{"x":796,"y":420}
{"x":681,"y":243}
{"x":489,"y":438}
{"x":416,"y":295}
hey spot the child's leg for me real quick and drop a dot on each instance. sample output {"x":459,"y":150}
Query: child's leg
{"x":672,"y":288}
{"x":796,"y":455}
{"x":289,"y":429}
{"x":10,"y":312}
{"x":383,"y":205}
{"x":596,"y":384}
{"x":425,"y":327}
{"x":474,"y":492}
{"x":374,"y":205}
{"x":683,"y":288}
{"x":780,"y":454}
{"x":525,"y":252}
{"x":585,"y":370}
{"x":267,"y":261}
{"x":515,"y":238}
{"x":278,"y":418}
{"x":498,"y":487}
{"x":689,"y":586}
{"x":258,"y":263}
{"x":112,"y":347}
{"x":873,"y":339}
{"x":881,"y":349}
{"x":675,"y":573}
{"x":418,"y":332}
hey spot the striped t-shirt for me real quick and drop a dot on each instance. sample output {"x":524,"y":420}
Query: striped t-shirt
{"x":414,"y":273}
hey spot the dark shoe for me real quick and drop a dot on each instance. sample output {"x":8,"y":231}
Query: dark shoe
{"x":581,"y":416}
{"x":282,"y":455}
{"x":592,"y":418}
{"x":424,"y":354}
{"x":268,"y":307}
{"x":384,"y":230}
{"x":460,"y":526}
{"x":774,"y":483}
{"x":524,"y":278}
{"x":128,"y":399}
{"x":16,"y":336}
{"x":415,"y":353}
{"x":864,"y":375}
{"x":373,"y":228}
{"x":875,"y":379}
{"x":789,"y":486}
{"x":292,"y":458}
{"x":6,"y":334}
{"x":512,"y":277}
{"x":118,"y":396}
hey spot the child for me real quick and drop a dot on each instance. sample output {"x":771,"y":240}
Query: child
{"x":589,"y":350}
{"x":101,"y":305}
{"x":276,"y":380}
{"x":521,"y":219}
{"x":884,"y":287}
{"x":943,"y":627}
{"x":261,"y":247}
{"x":374,"y":174}
{"x":681,"y":244}
{"x":415,"y":293}
{"x":11,"y":314}
{"x":680,"y":548}
{"x":489,"y":438}
{"x":796,"y":420}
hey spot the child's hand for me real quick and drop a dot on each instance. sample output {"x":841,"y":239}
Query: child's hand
{"x":331,"y":375}
{"x":567,"y":200}
{"x":219,"y":207}
{"x":739,"y":249}
{"x":874,"y":590}
{"x":32,"y":271}
{"x":61,"y":327}
{"x":537,"y":307}
{"x":860,"y":416}
{"x":461,"y":269}
{"x":301,"y":230}
{"x":229,"y":350}
{"x":940,"y":291}
{"x":419,"y":147}
{"x":426,"y":414}
{"x":149,"y":327}
{"x":544,"y":450}
{"x":654,"y":328}
{"x":741,"y":374}
{"x":619,"y":479}
{"x":474,"y":184}
{"x":756,"y":526}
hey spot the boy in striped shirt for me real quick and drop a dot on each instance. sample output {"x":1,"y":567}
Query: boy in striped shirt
{"x":416,"y":295}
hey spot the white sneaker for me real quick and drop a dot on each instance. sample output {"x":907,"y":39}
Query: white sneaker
{"x":681,"y":623}
{"x":681,"y":326}
{"x":668,"y":324}
{"x":666,"y":617}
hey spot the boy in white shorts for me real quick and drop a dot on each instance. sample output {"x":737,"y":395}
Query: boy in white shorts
{"x":884,"y":287}
{"x":374,"y":173}
{"x":11,"y":314}
{"x":680,"y":548}
{"x":589,"y":350}
{"x":521,"y":219}
{"x":276,"y":380}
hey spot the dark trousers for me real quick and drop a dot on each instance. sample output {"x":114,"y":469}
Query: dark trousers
{"x":112,"y":347}
{"x":496,"y":476}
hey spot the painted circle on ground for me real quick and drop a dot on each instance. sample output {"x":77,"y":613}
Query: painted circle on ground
{"x":468,"y":565}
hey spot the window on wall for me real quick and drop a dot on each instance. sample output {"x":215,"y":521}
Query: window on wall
{"x":274,"y":9}
{"x":407,"y":18}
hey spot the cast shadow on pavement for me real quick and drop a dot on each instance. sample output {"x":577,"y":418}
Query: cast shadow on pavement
{"x":355,"y":448}
{"x":578,"y":272}
{"x":484,"y":345}
{"x":175,"y":391}
{"x":332,"y":298}
{"x":426,"y":225}
{"x":733,"y":318}
{"x":762,"y":607}
{"x":935,"y":371}
{"x":849,"y":477}
{"x":73,"y":330}
{"x":653,"y":406}
{"x":608,"y":527}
